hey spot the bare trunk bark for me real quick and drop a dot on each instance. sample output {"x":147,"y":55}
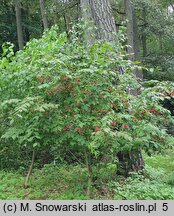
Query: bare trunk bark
{"x":19,"y":24}
{"x":100,"y":13}
{"x":68,"y":25}
{"x":44,"y":15}
{"x":89,"y":171}
{"x":132,"y":35}
{"x":144,"y":37}
{"x":89,"y":34}
{"x":104,"y":21}
{"x":30,"y":170}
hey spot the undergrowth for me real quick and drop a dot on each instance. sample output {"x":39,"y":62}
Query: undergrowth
{"x":67,"y":182}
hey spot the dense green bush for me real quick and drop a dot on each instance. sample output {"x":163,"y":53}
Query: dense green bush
{"x":71,"y":99}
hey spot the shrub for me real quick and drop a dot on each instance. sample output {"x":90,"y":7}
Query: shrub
{"x":67,"y":97}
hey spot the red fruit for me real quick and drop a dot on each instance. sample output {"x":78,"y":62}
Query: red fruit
{"x":49,"y":93}
{"x":152,"y":110}
{"x":77,"y":80}
{"x":57,"y":89}
{"x":114,"y":124}
{"x":142,"y":113}
{"x":125,"y":126}
{"x":172,"y":94}
{"x":78,"y":130}
{"x":165,"y":94}
{"x":96,"y":128}
{"x":110,"y":89}
{"x":65,"y":78}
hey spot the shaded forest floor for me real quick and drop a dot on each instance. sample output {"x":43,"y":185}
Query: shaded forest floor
{"x":70,"y":182}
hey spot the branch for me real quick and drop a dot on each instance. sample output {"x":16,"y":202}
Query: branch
{"x":68,"y":6}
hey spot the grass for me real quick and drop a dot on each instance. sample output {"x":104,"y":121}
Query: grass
{"x":161,"y":168}
{"x":49,"y":183}
{"x":70,"y":182}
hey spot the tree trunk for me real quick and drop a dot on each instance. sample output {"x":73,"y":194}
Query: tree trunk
{"x":144,"y":37}
{"x":132,"y":35}
{"x":100,"y":13}
{"x":44,"y":15}
{"x":68,"y":25}
{"x":29,"y":171}
{"x":19,"y":24}
{"x":130,"y":162}
{"x":89,"y":34}
{"x":67,"y":20}
{"x":89,"y":172}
